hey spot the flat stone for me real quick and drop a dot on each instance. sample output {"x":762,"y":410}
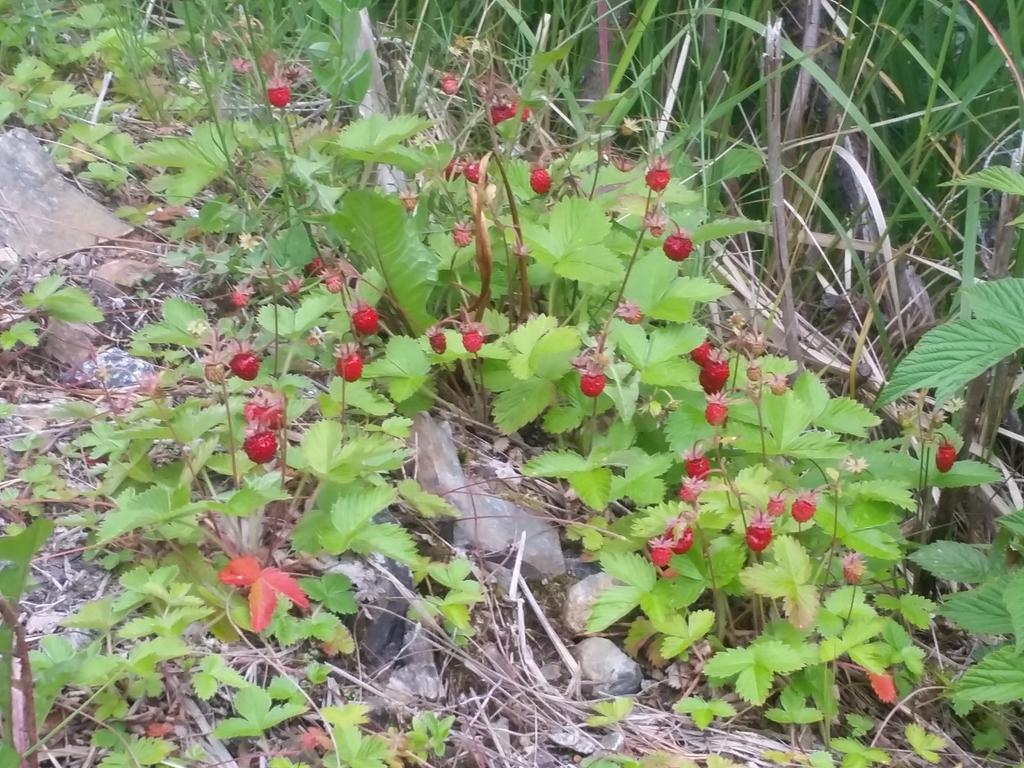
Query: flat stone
{"x":581,"y":598}
{"x":486,"y":522}
{"x":112,"y":368}
{"x":605,"y":669}
{"x":70,"y":343}
{"x":418,"y":677}
{"x":42,"y":216}
{"x":122,"y":273}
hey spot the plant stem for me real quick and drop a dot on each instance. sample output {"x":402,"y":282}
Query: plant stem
{"x":629,"y":269}
{"x":231,"y":434}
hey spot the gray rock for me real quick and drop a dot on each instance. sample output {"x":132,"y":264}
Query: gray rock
{"x":418,"y":678}
{"x":581,"y":598}
{"x":486,"y":522}
{"x":576,"y":739}
{"x":606,"y":670}
{"x":41,"y":215}
{"x":112,"y":368}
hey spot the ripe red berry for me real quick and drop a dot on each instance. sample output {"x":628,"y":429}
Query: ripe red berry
{"x":245,"y":365}
{"x":462,"y":235}
{"x":279,"y":93}
{"x":657,"y":176}
{"x":449,"y":84}
{"x":592,"y":384}
{"x":438,"y":342}
{"x":701,"y":354}
{"x":717,"y":410}
{"x":472,"y":172}
{"x":945,"y":456}
{"x":540,"y":180}
{"x":714,"y":374}
{"x":758,"y":537}
{"x":804,"y":506}
{"x":365,"y":320}
{"x":314,"y":267}
{"x":697,"y":464}
{"x":240,"y":296}
{"x":677,"y":246}
{"x":472,"y":340}
{"x":454,"y":169}
{"x":261,"y":447}
{"x":682,"y":543}
{"x":502,"y":112}
{"x":350,"y":367}
{"x":660,"y":550}
{"x":776,"y":505}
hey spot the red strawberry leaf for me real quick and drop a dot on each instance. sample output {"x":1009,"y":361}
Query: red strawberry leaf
{"x":883,"y":686}
{"x":262,"y":602}
{"x":282,"y":582}
{"x":241,"y":571}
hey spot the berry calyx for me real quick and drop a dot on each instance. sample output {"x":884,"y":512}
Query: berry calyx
{"x":804,"y":506}
{"x":759,"y":533}
{"x":245,"y":365}
{"x":717,"y":410}
{"x":629,"y":313}
{"x":449,"y":84}
{"x":279,"y":93}
{"x":462,"y":235}
{"x":350,"y":366}
{"x":715,"y":373}
{"x":315,"y":267}
{"x":683,"y":541}
{"x":677,"y":246}
{"x":697,"y":464}
{"x":776,"y":505}
{"x":691,"y":489}
{"x":333,"y":281}
{"x":945,"y":456}
{"x":657,"y":176}
{"x":240,"y":296}
{"x":592,"y":384}
{"x":266,"y":410}
{"x":702,"y":353}
{"x":261,"y":447}
{"x":472,"y":172}
{"x":540,"y":180}
{"x":365,"y":320}
{"x":437,"y":340}
{"x":660,"y":550}
{"x":472,"y":340}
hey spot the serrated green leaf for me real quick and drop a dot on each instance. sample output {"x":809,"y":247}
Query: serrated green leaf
{"x":1013,"y":600}
{"x":610,"y":712}
{"x":723,"y":228}
{"x":997,"y":177}
{"x":949,"y":356}
{"x":787,"y":580}
{"x":681,"y":633}
{"x":427,"y":504}
{"x":847,"y":417}
{"x":405,"y":365}
{"x":754,"y":667}
{"x":593,"y":486}
{"x":521,"y":403}
{"x":702,"y":712}
{"x":630,"y":568}
{"x":996,"y":679}
{"x":917,"y":610}
{"x":556,"y":464}
{"x":611,"y":605}
{"x":981,"y":610}
{"x":953,"y":561}
{"x":926,"y":745}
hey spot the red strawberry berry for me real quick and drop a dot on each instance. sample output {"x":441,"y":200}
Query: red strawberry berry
{"x":472,"y":340}
{"x":677,"y":246}
{"x":350,"y":367}
{"x":462,"y":235}
{"x":804,"y":506}
{"x":691,"y":489}
{"x":315,"y":267}
{"x":717,"y":410}
{"x":261,"y":447}
{"x":540,"y":180}
{"x":759,"y":533}
{"x":657,"y":176}
{"x":502,"y":112}
{"x":472,"y":172}
{"x":697,"y":464}
{"x":365,"y":320}
{"x":279,"y":93}
{"x":945,"y":456}
{"x":683,"y":541}
{"x":449,"y":84}
{"x":701,"y":354}
{"x":454,"y":169}
{"x":240,"y":296}
{"x":245,"y":365}
{"x":715,"y":373}
{"x":776,"y":505}
{"x":438,"y":342}
{"x":660,"y":550}
{"x":592,"y":384}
